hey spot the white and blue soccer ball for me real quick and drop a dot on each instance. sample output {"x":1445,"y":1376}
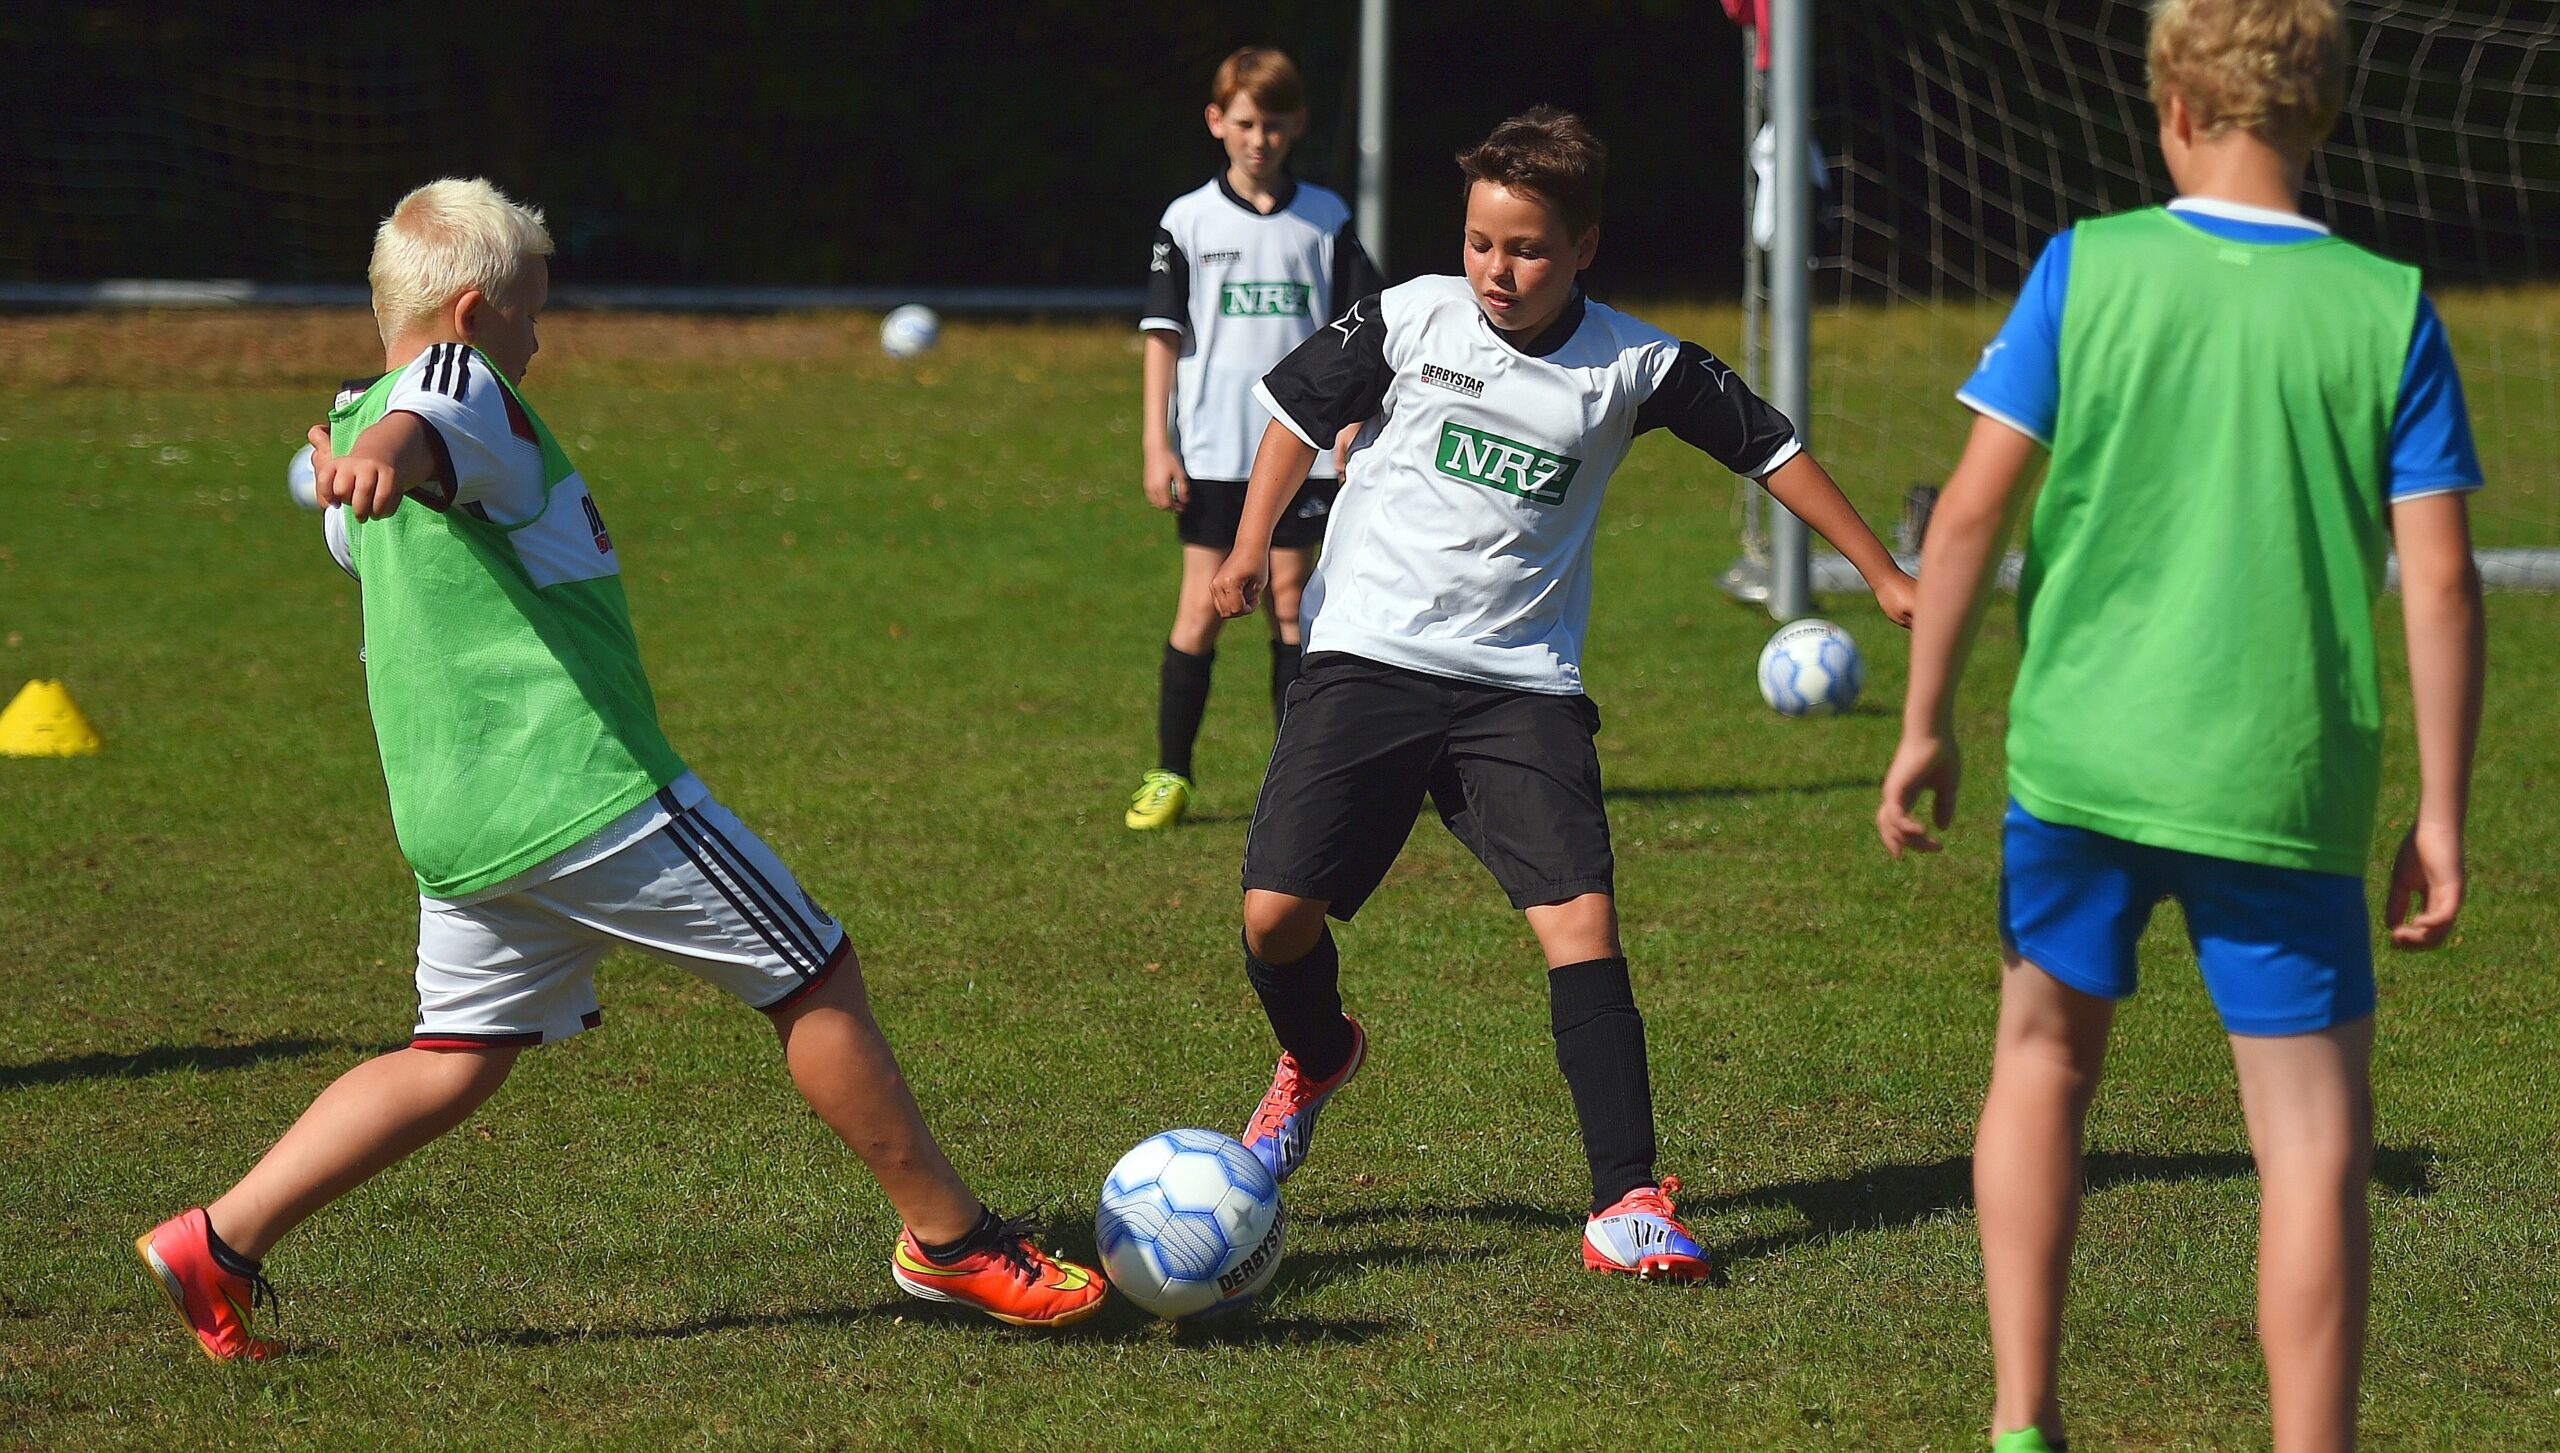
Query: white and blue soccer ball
{"x":301,"y":480}
{"x":1811,"y":668}
{"x":910,"y":331}
{"x":1190,"y":1224}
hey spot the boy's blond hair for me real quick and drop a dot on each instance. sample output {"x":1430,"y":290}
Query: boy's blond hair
{"x":444,"y":239}
{"x":2274,"y":67}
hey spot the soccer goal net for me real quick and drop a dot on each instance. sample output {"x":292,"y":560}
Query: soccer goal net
{"x":1957,"y":136}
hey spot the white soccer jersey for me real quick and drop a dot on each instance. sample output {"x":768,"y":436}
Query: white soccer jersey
{"x":1243,"y":288}
{"x":1461,"y":543}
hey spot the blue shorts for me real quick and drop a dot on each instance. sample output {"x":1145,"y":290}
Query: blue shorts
{"x":2284,"y":950}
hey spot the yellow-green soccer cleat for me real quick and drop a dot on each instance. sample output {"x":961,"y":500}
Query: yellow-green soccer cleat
{"x":1160,"y":801}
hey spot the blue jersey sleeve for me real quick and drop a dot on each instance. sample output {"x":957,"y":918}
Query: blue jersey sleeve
{"x":2019,"y":380}
{"x":2431,"y":446}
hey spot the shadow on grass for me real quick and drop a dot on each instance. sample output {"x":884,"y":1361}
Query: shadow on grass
{"x":1247,"y":1329}
{"x":1300,"y":1271}
{"x":1877,"y":1198}
{"x":1727,"y":792}
{"x":1509,"y":1213}
{"x":1888,"y":1196}
{"x":848,"y":1316}
{"x":163,"y":1058}
{"x":1121,"y":1320}
{"x":1306,"y":1271}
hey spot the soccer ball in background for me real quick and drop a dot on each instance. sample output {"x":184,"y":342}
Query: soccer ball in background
{"x":910,"y":331}
{"x":1190,"y":1224}
{"x":1811,"y":668}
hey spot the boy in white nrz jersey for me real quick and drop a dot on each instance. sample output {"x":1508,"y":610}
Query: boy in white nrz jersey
{"x":1242,"y":271}
{"x":545,"y":816}
{"x":1445,"y":628}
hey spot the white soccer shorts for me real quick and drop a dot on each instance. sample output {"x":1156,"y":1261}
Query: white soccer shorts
{"x":701,"y":892}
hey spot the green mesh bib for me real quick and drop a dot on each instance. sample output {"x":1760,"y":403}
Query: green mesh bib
{"x":2205,"y":555}
{"x":508,"y":699}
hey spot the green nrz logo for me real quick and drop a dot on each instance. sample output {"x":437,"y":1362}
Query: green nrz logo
{"x":1505,"y":464}
{"x":1264,"y":300}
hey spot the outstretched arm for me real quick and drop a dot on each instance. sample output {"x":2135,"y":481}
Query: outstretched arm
{"x":389,"y":459}
{"x":1957,"y":561}
{"x":1706,"y":406}
{"x":1804,"y":486}
{"x":1279,"y":467}
{"x":2440,"y":598}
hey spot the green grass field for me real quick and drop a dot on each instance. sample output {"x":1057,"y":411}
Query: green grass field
{"x":905,"y":620}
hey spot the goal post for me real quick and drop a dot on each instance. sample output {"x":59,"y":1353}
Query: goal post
{"x":1790,"y":273}
{"x":1957,"y":136}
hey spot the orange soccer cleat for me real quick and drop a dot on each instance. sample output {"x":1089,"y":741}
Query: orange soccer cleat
{"x":1284,"y":1124}
{"x":212,"y":1299}
{"x":1005,"y":1276}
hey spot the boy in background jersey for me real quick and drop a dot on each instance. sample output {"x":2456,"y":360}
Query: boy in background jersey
{"x":1445,"y":627}
{"x":1243,"y":269}
{"x":545,"y":816}
{"x":2244,"y":413}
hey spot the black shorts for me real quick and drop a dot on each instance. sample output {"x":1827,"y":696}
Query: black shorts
{"x":1214,"y":507}
{"x":1514,"y":774}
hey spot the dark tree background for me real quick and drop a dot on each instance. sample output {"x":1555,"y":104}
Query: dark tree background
{"x":881,"y":142}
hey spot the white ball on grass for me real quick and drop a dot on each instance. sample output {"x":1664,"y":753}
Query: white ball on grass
{"x":1190,"y":1224}
{"x":910,"y":331}
{"x":1811,"y":668}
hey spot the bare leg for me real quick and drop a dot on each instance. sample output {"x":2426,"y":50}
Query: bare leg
{"x":1577,"y":930}
{"x":2309,"y":1103}
{"x":367,"y":1120}
{"x":2026,"y":1180}
{"x":1195,"y":616}
{"x":1281,"y":928}
{"x":1289,"y":572}
{"x":847,"y":1073}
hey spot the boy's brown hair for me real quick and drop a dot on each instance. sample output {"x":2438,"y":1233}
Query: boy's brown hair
{"x":1265,"y":74}
{"x":1545,"y":152}
{"x":2274,"y":67}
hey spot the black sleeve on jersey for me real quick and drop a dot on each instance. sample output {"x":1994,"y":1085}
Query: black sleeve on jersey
{"x":1339,"y":376}
{"x":425,"y":492}
{"x":1713,"y":411}
{"x":1168,"y":280}
{"x":1354,"y":276}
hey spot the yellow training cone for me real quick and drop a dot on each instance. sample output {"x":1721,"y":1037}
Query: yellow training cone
{"x":42,"y":721}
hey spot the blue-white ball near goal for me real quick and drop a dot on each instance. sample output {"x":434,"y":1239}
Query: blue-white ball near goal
{"x":1811,"y":668}
{"x":1190,"y":1224}
{"x":910,"y":331}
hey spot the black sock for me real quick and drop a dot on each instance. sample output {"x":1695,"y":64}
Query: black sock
{"x":1600,"y":1048}
{"x":1303,"y":1001}
{"x":1285,"y":656}
{"x":1182,"y":699}
{"x":226,"y":1258}
{"x":947,"y":1252}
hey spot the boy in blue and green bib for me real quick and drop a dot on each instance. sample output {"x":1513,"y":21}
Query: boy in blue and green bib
{"x":544,"y":814}
{"x":2244,"y":414}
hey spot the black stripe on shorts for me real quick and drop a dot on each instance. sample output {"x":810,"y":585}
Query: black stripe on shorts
{"x":682,"y":833}
{"x":809,"y":934}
